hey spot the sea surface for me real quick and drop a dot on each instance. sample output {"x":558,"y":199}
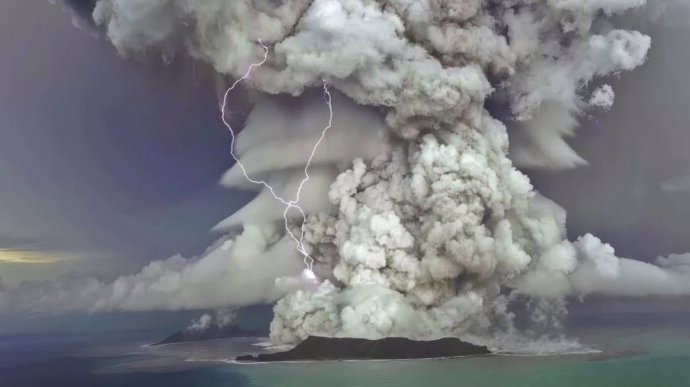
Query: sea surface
{"x":644,"y":355}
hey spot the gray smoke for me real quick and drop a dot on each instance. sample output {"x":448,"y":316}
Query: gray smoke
{"x":221,"y":318}
{"x":257,"y":265}
{"x":436,"y":232}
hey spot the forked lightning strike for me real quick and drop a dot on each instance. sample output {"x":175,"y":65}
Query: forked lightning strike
{"x":299,"y":241}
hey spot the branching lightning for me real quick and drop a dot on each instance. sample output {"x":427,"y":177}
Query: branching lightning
{"x":289,"y":204}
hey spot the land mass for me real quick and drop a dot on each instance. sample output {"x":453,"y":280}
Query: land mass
{"x":342,"y":348}
{"x":211,"y":333}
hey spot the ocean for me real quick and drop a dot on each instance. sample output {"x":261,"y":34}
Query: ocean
{"x":651,"y":355}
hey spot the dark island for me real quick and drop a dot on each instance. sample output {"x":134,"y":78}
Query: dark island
{"x":333,"y":348}
{"x":211,"y":333}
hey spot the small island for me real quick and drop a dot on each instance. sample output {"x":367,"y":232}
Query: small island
{"x":390,"y":348}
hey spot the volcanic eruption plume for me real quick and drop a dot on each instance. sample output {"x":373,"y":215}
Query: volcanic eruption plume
{"x":417,"y":218}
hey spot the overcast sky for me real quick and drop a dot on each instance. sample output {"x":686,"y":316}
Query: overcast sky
{"x":106,"y":164}
{"x":636,"y":192}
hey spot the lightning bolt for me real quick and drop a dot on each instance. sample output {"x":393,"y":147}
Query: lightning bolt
{"x":289,"y":204}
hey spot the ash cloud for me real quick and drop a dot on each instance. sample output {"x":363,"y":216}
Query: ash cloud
{"x":439,"y":234}
{"x":245,"y":270}
{"x":80,"y":12}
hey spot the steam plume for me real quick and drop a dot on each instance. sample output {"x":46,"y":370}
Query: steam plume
{"x":439,"y":234}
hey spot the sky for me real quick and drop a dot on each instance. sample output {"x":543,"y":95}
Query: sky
{"x":107,"y":164}
{"x":635,"y":194}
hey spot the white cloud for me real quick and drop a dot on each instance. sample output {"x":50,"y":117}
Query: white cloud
{"x":427,"y":237}
{"x":239,"y":272}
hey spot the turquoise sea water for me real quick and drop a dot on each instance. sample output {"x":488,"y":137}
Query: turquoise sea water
{"x":646,"y":357}
{"x":667,"y":363}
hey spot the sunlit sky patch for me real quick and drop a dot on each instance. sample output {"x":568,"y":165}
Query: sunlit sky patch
{"x":14,"y":256}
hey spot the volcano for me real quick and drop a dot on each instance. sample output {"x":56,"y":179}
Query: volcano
{"x":389,"y":348}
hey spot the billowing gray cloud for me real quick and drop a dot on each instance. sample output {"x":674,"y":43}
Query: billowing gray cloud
{"x":440,"y":233}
